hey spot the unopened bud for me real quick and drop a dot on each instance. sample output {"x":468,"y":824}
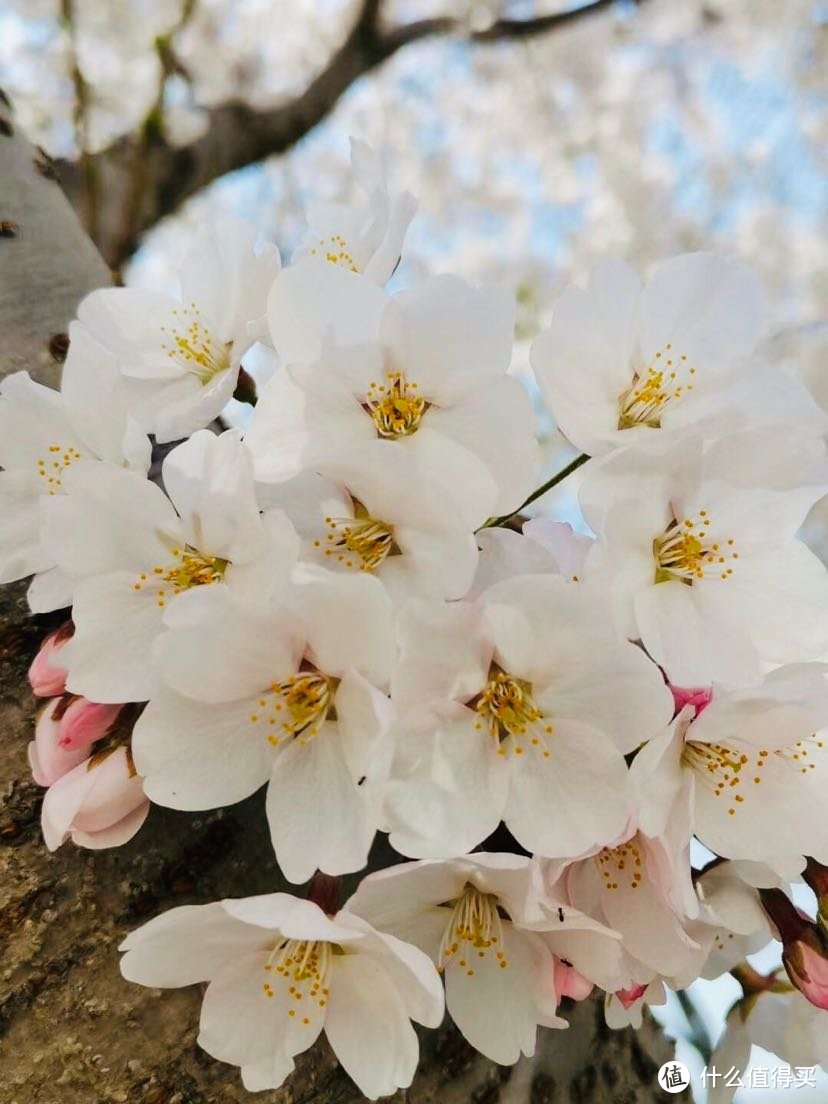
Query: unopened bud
{"x":46,"y":677}
{"x":100,"y":803}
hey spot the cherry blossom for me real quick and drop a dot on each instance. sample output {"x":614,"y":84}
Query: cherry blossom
{"x":516,"y":707}
{"x":412,"y":543}
{"x":777,"y":1018}
{"x":641,"y":888}
{"x":49,"y":757}
{"x":280,"y":972}
{"x":46,"y":676}
{"x":365,"y":238}
{"x":181,"y":356}
{"x":706,"y":572}
{"x":99,"y":803}
{"x":431,"y":390}
{"x":620,"y":360}
{"x":291,"y":694}
{"x":133,"y":552}
{"x":466,"y":915}
{"x":741,"y":764}
{"x":43,"y":435}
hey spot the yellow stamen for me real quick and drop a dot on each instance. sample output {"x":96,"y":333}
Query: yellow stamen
{"x":395,"y":407}
{"x":475,"y":930}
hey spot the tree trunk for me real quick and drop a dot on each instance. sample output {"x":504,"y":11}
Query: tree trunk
{"x":72,"y":1030}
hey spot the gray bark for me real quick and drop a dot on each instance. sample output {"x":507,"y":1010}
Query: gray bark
{"x":47,"y":263}
{"x":72,"y":1031}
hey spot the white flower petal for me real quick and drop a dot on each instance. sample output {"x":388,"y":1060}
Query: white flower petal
{"x":575,"y":799}
{"x":319,"y":818}
{"x":368,"y":1027}
{"x":313,"y":300}
{"x":707,"y":305}
{"x":241,"y":1024}
{"x":348,"y":623}
{"x":493,"y":1006}
{"x":449,"y":337}
{"x":198,"y":756}
{"x":479,"y":425}
{"x":108,"y":658}
{"x":186,"y":945}
{"x":448,"y":789}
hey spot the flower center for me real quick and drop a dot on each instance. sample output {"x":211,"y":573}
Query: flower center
{"x":301,"y":968}
{"x":296,"y":707}
{"x":308,"y":698}
{"x":194,"y":347}
{"x":360,"y":541}
{"x":508,"y":711}
{"x":665,"y":381}
{"x":687,"y":552}
{"x":190,"y":568}
{"x":620,"y":862}
{"x":50,"y":470}
{"x":474,"y":931}
{"x":334,"y":249}
{"x":395,"y":407}
{"x":732,"y":774}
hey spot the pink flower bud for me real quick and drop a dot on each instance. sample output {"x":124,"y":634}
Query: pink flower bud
{"x":804,"y":950}
{"x":46,"y":677}
{"x":48,"y":757}
{"x":807,"y":966}
{"x":100,"y":803}
{"x":628,"y":997}
{"x":569,"y":983}
{"x":697,"y":696}
{"x":83,"y":722}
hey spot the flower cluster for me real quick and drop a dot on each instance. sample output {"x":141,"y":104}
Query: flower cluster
{"x":344,"y":602}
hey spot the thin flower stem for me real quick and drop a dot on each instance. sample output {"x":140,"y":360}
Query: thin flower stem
{"x":536,"y":494}
{"x":699,"y":1035}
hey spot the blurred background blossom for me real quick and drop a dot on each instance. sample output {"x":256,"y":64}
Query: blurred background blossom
{"x":535,"y":144}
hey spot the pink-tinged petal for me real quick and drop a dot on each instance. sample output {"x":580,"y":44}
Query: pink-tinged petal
{"x":84,"y":722}
{"x":628,"y":997}
{"x":48,"y":758}
{"x":569,"y":983}
{"x":46,"y":676}
{"x":92,"y":798}
{"x":807,"y":967}
{"x":115,"y":834}
{"x":699,"y":697}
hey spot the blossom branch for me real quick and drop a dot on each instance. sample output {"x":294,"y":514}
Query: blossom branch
{"x":557,"y":478}
{"x":238,"y":134}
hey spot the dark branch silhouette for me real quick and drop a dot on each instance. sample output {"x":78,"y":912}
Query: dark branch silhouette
{"x":142,"y":178}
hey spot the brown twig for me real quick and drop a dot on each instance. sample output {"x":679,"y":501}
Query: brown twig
{"x":238,"y":135}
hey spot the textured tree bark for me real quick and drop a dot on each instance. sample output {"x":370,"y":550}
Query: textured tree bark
{"x":47,"y":263}
{"x":71,"y":1030}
